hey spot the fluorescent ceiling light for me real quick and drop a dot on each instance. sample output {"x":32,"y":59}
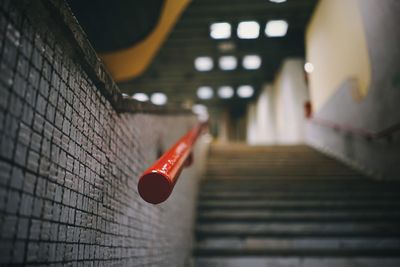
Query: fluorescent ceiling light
{"x":248,"y":30}
{"x":201,"y":111}
{"x":309,"y":67}
{"x":227,"y":63}
{"x":251,"y":62}
{"x":225,"y":92}
{"x":159,"y":99}
{"x":276,"y":28}
{"x":199,"y":108}
{"x":205,"y":92}
{"x":220,"y":30}
{"x":142,"y":97}
{"x":245,"y":91}
{"x":278,"y":1}
{"x":203,"y":63}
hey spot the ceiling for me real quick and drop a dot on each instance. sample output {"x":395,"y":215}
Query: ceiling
{"x":114,"y":25}
{"x":172,"y":70}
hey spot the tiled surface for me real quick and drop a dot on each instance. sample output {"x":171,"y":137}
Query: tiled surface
{"x":69,"y":163}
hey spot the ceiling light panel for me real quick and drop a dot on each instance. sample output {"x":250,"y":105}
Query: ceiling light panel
{"x":251,"y":62}
{"x":276,"y":28}
{"x":227,"y":63}
{"x":203,"y":63}
{"x":225,"y":92}
{"x":201,"y":111}
{"x":205,"y":92}
{"x":220,"y":30}
{"x":245,"y":91}
{"x":159,"y":99}
{"x":248,"y":30}
{"x":278,"y":1}
{"x":142,"y":97}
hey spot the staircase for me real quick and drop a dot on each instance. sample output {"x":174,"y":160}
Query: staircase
{"x":292,"y":206}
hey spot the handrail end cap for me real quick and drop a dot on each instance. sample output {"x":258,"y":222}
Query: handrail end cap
{"x":154,"y":187}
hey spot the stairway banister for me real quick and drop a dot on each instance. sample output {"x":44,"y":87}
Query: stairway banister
{"x":157,"y":182}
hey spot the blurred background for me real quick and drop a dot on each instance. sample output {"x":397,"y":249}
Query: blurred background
{"x":252,"y":66}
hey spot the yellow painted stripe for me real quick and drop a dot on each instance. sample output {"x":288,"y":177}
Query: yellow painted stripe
{"x":128,"y":63}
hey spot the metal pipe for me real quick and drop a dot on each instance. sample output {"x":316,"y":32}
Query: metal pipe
{"x":157,"y":182}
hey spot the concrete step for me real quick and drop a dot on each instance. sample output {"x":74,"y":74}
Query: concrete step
{"x":265,"y":165}
{"x":306,"y":252}
{"x":291,"y":206}
{"x":280,"y":172}
{"x":298,"y":205}
{"x":260,"y":243}
{"x":297,"y":229}
{"x":298,"y":180}
{"x":293,"y":261}
{"x":298,"y":216}
{"x":303,"y":195}
{"x":286,"y":179}
{"x":298,"y":188}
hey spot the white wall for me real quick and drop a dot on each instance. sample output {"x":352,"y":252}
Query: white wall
{"x":290,"y":94}
{"x":277,"y":117}
{"x":379,"y":109}
{"x":265,"y":117}
{"x":251,"y":124}
{"x":337,"y":26}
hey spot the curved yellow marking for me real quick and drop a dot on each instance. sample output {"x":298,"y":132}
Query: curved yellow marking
{"x":130,"y":62}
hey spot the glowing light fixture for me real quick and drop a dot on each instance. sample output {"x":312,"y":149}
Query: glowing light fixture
{"x":220,"y":30}
{"x":142,"y":97}
{"x":278,"y":1}
{"x":276,"y":28}
{"x":201,"y":111}
{"x":203,"y":63}
{"x":245,"y":91}
{"x":205,"y":92}
{"x":248,"y":30}
{"x":251,"y":62}
{"x":309,"y":67}
{"x":227,"y":63}
{"x":225,"y":92}
{"x":159,"y":99}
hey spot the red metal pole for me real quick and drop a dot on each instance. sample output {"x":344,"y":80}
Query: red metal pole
{"x":308,"y":110}
{"x":156,"y":183}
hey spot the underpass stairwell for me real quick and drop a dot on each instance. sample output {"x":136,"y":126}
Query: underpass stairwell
{"x":292,"y":206}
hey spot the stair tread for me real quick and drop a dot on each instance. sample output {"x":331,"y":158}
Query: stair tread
{"x":240,"y":261}
{"x":297,"y":228}
{"x":296,"y":215}
{"x":291,"y":205}
{"x":254,"y":205}
{"x":299,"y":243}
{"x":341,"y":252}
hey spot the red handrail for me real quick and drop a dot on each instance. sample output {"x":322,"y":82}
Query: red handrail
{"x":156,"y":183}
{"x":357,"y":131}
